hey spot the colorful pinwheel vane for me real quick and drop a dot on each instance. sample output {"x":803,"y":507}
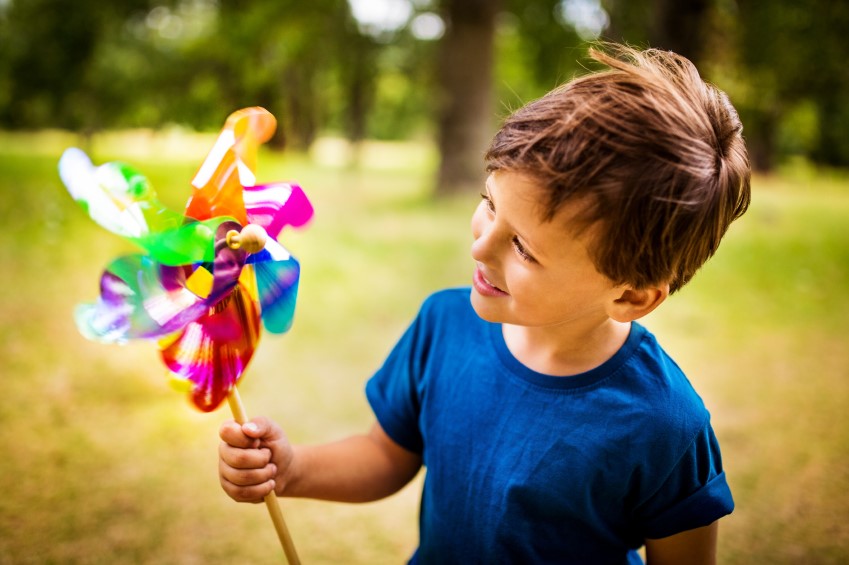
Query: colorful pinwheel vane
{"x":207,"y":277}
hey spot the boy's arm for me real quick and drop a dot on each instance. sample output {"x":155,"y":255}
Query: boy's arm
{"x":360,"y":468}
{"x":257,"y":456}
{"x":694,"y":547}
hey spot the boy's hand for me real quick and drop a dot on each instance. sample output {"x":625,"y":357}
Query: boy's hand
{"x":253,"y":459}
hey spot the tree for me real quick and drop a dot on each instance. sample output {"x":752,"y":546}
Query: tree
{"x":272,"y":54}
{"x":50,"y":48}
{"x":465,"y":92}
{"x":547,"y":46}
{"x":793,"y":56}
{"x":675,"y":25}
{"x":680,"y":26}
{"x":781,"y":62}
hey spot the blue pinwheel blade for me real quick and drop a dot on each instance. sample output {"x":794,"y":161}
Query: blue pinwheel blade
{"x":277,"y":275}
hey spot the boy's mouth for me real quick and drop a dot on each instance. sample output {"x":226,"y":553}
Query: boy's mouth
{"x":484,"y":287}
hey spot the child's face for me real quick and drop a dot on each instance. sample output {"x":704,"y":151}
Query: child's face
{"x":532,"y":272}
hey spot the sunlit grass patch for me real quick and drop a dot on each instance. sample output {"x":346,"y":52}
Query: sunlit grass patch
{"x":106,"y":463}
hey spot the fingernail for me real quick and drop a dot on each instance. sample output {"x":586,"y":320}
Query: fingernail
{"x":250,"y":426}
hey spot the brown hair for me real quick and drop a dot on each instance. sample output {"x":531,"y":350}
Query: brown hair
{"x":657,"y":153}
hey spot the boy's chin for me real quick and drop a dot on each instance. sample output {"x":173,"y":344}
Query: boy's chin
{"x":484,"y":308}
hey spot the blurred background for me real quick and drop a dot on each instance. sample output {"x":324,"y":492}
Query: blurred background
{"x":385,"y":108}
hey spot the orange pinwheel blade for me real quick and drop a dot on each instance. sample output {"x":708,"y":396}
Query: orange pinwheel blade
{"x":230,"y":165}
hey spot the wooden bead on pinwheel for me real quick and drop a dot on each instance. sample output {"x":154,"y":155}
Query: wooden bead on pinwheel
{"x":251,"y":239}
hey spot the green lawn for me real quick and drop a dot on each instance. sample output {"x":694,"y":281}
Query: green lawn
{"x":104,"y":463}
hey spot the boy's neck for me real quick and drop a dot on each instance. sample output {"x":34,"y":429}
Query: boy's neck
{"x":565,"y":351}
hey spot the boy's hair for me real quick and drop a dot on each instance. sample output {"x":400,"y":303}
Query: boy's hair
{"x":655,"y":152}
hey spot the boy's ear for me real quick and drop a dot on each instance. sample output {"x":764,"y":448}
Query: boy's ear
{"x":633,"y":304}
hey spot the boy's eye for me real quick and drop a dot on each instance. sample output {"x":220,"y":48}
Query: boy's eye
{"x":517,"y":245}
{"x":520,"y":249}
{"x":489,"y":204}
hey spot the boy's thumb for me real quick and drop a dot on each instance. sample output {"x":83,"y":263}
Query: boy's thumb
{"x":254,"y":428}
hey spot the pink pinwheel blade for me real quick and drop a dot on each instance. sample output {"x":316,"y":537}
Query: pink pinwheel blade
{"x":213,"y":351}
{"x":277,"y":205}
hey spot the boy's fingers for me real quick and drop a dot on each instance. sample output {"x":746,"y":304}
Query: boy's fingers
{"x":244,"y":468}
{"x":246,"y":477}
{"x":255,"y":493}
{"x":243,"y":458}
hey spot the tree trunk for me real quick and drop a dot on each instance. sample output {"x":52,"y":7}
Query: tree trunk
{"x":675,"y":25}
{"x":761,"y":140}
{"x":297,"y":127}
{"x":680,"y":26}
{"x":465,"y":90}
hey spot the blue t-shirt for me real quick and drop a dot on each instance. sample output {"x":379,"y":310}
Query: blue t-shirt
{"x":524,"y":467}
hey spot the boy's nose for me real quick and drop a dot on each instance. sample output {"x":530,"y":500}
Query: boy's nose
{"x":487,"y":236}
{"x":483,"y":246}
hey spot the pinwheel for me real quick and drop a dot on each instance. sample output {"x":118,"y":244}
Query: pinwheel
{"x":207,"y":280}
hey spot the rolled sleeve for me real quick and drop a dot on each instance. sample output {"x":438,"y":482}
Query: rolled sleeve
{"x":702,"y":508}
{"x":694,"y":494}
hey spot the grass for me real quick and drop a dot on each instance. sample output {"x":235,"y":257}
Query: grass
{"x":104,"y":463}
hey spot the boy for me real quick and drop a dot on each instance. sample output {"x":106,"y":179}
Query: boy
{"x":553,"y":427}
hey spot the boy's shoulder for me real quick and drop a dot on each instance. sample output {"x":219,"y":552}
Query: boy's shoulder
{"x":453,"y":301}
{"x":669,"y":398}
{"x":450,"y":294}
{"x":446,"y":316}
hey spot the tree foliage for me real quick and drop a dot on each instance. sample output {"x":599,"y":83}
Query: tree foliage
{"x":87,"y":65}
{"x":794,"y":56}
{"x":49,"y":61}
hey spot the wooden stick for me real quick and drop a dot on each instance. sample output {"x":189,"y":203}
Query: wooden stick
{"x":271,"y":502}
